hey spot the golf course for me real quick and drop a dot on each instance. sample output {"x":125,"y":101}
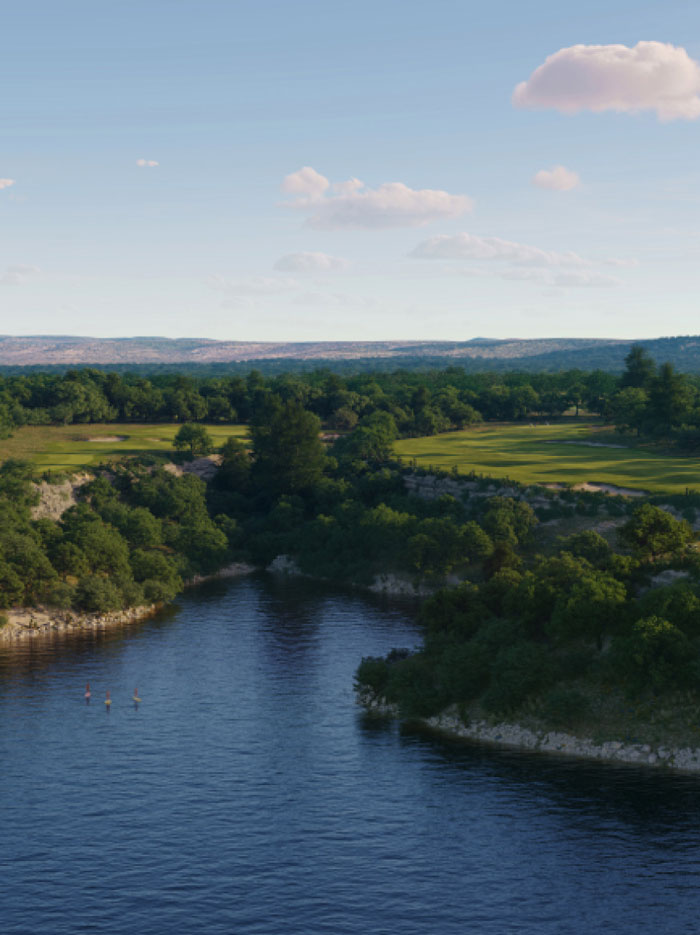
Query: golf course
{"x":549,"y":454}
{"x":67,"y":448}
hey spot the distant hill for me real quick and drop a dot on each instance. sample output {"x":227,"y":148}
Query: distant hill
{"x":477,"y":354}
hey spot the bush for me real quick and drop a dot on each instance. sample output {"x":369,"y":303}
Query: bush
{"x":517,"y":672}
{"x":654,"y":655}
{"x":59,"y":594}
{"x":412,"y":685}
{"x":563,"y":707}
{"x":97,"y":595}
{"x":464,"y":671}
{"x":372,"y":672}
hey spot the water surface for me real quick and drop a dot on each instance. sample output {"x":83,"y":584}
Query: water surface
{"x":247,"y":793}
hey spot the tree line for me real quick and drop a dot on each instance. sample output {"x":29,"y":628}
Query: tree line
{"x":644,"y":399}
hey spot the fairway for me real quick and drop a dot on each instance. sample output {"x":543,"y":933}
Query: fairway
{"x":550,"y":454}
{"x":68,"y":447}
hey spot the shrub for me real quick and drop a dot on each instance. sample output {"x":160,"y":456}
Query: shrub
{"x":517,"y":672}
{"x":564,"y":706}
{"x":655,"y":654}
{"x":97,"y":595}
{"x":372,"y":672}
{"x":413,"y":686}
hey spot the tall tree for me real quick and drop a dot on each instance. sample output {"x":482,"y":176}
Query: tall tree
{"x":639,"y":368}
{"x":289,"y":456}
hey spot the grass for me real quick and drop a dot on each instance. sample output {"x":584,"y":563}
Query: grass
{"x":548,"y":454}
{"x":67,"y":448}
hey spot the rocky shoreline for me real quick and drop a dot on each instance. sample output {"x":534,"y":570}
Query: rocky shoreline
{"x":558,"y":743}
{"x":34,"y":622}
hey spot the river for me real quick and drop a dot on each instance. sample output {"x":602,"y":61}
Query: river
{"x":247,"y":793}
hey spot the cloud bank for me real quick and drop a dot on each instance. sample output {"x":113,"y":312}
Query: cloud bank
{"x":524,"y":262}
{"x":147,"y":163}
{"x":556,"y":179}
{"x":6,"y":183}
{"x":351,"y":205}
{"x":308,"y":262}
{"x":471,"y":247}
{"x":652,"y":76}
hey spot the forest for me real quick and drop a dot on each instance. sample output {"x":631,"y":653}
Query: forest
{"x":523,"y":620}
{"x":645,"y":399}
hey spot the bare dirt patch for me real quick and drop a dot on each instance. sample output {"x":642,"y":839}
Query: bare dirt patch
{"x":109,"y":438}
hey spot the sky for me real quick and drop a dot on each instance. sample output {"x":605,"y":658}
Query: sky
{"x":263,"y":170}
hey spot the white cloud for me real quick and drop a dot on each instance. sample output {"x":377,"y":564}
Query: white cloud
{"x":306,"y":181}
{"x":19,"y":275}
{"x":351,"y":206}
{"x":255,"y":285}
{"x":558,"y":179}
{"x":6,"y":183}
{"x":653,"y":76}
{"x":147,"y":163}
{"x":308,"y":262}
{"x":471,"y":247}
{"x":348,"y":187}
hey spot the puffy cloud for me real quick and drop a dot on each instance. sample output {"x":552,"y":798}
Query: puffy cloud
{"x":649,"y":76}
{"x":558,"y":179}
{"x":147,"y":163}
{"x":471,"y":247}
{"x":351,"y":206}
{"x":306,"y":181}
{"x":19,"y":275}
{"x":6,"y":183}
{"x":348,"y":187}
{"x":307,"y":262}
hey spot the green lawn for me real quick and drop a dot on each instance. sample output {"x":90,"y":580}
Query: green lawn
{"x":549,"y":454}
{"x":68,"y":447}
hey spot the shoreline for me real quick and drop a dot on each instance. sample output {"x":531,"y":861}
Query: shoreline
{"x":39,"y":622}
{"x":551,"y":742}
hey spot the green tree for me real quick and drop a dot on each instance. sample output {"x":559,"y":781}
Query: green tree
{"x":651,"y":532}
{"x":193,"y":438}
{"x":628,"y":409}
{"x":639,"y":368}
{"x":655,"y":654}
{"x":288,"y":455}
{"x":234,"y":473}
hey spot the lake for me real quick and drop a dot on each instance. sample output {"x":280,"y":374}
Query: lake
{"x":248,"y":793}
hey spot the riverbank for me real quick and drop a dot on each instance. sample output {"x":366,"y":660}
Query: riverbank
{"x":34,"y":622}
{"x":553,"y":742}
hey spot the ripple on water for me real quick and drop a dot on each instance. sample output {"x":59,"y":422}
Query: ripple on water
{"x":248,"y":794}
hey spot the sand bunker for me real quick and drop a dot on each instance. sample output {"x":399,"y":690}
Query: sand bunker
{"x":589,"y":487}
{"x":610,"y":488}
{"x":108,"y":438}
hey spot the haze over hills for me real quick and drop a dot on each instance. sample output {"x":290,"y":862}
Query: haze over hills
{"x":477,"y":353}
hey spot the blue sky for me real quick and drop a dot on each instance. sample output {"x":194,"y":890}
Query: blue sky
{"x":232,"y":98}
